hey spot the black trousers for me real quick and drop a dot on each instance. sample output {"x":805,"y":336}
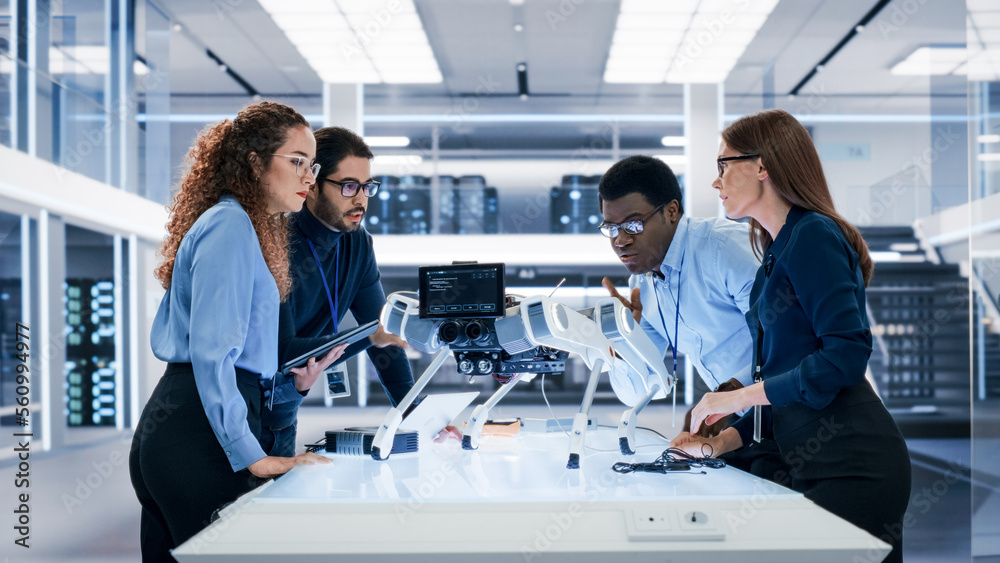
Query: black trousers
{"x":179,"y":471}
{"x":850,"y":459}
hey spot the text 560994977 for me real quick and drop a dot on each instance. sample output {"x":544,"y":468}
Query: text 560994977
{"x":22,"y":413}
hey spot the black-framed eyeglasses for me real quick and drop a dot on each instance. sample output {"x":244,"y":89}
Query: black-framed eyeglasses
{"x":721,"y":161}
{"x":350,"y":189}
{"x":302,"y":164}
{"x":632,"y":227}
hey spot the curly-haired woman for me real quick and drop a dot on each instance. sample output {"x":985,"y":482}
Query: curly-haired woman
{"x":225,"y":269}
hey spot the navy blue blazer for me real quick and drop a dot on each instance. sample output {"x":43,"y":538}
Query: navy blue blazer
{"x":807,"y":318}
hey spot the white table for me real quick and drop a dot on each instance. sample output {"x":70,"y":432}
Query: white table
{"x":513,"y":500}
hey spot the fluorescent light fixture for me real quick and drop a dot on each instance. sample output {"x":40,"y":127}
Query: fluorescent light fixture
{"x":533,"y":250}
{"x":564,"y":292}
{"x":388,"y":141}
{"x":674,"y":141}
{"x":398,"y":160}
{"x":988,"y":139}
{"x":682,"y":41}
{"x":78,"y":59}
{"x":931,"y":61}
{"x":988,"y":157}
{"x":358,"y":41}
{"x":672,"y":159}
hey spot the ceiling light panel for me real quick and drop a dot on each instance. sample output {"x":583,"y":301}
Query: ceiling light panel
{"x":694,"y":40}
{"x":358,"y":41}
{"x":983,"y":41}
{"x":931,"y":61}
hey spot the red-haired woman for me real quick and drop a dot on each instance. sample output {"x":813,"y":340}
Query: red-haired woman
{"x":811,"y":335}
{"x":225,"y":269}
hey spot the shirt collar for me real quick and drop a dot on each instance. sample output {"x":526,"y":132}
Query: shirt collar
{"x":675,"y":253}
{"x":314,"y":229}
{"x":794,"y":215}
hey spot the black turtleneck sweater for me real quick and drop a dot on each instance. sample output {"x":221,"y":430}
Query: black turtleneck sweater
{"x":305,"y":318}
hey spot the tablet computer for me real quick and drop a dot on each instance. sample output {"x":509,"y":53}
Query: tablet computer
{"x":349,"y":336}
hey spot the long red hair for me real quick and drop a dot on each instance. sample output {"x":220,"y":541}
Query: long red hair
{"x":792,"y":163}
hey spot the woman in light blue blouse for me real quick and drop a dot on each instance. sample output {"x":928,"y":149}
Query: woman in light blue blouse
{"x":225,"y":269}
{"x":811,"y":336}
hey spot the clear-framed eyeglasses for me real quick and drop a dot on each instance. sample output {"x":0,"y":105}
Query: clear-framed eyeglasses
{"x":302,"y":164}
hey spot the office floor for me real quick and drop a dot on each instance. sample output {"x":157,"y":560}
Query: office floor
{"x":83,"y":508}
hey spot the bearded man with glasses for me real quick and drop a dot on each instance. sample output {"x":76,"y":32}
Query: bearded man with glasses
{"x":333,"y":271}
{"x":690,"y":283}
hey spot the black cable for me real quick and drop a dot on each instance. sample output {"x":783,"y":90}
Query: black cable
{"x":317,"y":446}
{"x":653,"y":431}
{"x":672,"y":459}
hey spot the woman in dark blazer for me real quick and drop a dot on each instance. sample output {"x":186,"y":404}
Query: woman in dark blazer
{"x":811,"y":335}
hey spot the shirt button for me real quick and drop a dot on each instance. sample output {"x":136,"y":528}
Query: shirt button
{"x":230,"y":454}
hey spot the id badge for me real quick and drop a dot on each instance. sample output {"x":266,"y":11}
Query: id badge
{"x":337,"y":382}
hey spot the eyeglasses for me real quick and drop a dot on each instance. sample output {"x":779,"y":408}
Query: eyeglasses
{"x":302,"y":164}
{"x":632,"y":227}
{"x":350,"y":189}
{"x":721,"y":161}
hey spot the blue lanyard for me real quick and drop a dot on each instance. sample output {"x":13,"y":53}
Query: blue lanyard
{"x":677,"y":318}
{"x":331,"y":299}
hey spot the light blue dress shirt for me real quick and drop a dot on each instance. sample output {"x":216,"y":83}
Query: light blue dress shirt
{"x":715,"y":266}
{"x":221,"y":312}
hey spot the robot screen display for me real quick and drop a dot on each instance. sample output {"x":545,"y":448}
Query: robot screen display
{"x":462,"y":291}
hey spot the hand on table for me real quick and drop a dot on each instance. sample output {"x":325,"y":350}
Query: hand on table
{"x":272,"y":466}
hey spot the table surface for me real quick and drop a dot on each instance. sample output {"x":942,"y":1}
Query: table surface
{"x":527,"y":467}
{"x":514,"y":500}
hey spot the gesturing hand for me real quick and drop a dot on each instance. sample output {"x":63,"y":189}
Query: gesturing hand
{"x":634,"y":305}
{"x":381,"y":339}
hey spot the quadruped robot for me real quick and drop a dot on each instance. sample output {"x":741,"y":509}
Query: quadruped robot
{"x":463,"y":309}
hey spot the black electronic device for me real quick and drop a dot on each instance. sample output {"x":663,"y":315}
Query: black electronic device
{"x":358,"y":441}
{"x":462,"y":291}
{"x":348,"y":336}
{"x":468,"y":306}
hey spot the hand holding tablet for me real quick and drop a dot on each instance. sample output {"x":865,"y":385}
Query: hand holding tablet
{"x":345,"y":337}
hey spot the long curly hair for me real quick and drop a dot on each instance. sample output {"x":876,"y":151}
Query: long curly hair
{"x":792,"y":163}
{"x":219,"y":163}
